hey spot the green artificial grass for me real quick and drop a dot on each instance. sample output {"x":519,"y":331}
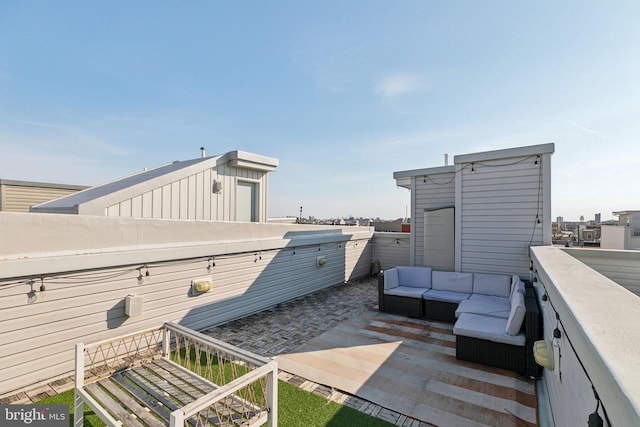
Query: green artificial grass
{"x":296,"y":408}
{"x":90,"y":419}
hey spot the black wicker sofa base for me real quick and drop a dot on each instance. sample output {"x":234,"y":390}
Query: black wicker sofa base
{"x":500,"y":355}
{"x":496,"y":354}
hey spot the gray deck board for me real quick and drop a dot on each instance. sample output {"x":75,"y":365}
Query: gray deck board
{"x":409,"y":366}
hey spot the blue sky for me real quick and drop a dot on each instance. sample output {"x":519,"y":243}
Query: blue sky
{"x":343,"y":93}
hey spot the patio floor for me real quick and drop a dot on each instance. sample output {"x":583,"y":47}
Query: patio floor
{"x":335,"y":343}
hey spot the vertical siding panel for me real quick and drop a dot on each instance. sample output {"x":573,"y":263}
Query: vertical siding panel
{"x":166,"y":202}
{"x":198,"y":195}
{"x":175,"y":200}
{"x":113,"y":210}
{"x":183,"y":201}
{"x":207,"y":184}
{"x":136,"y":207}
{"x":191,"y":199}
{"x":147,"y":204}
{"x":125,"y":208}
{"x":228,"y":209}
{"x":156,"y":203}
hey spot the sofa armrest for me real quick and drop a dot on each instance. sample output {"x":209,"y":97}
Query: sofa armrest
{"x":381,"y":291}
{"x":533,"y":328}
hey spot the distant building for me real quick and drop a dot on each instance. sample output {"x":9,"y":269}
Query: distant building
{"x":228,"y":187}
{"x":625,"y":235}
{"x":598,"y":218}
{"x":19,"y":196}
{"x":560,"y":220}
{"x":389,"y":226}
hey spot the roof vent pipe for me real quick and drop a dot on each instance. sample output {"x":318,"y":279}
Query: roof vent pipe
{"x":203,"y":152}
{"x":446,"y":159}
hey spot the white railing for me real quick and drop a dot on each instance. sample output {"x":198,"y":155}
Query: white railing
{"x":244,"y":384}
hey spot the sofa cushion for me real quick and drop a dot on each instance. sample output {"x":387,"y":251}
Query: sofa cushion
{"x":405,"y":291}
{"x":492,"y":284}
{"x":516,"y":315}
{"x":490,"y":299}
{"x":445,"y":296}
{"x":517,"y":285}
{"x":486,"y":308}
{"x":486,"y":328}
{"x":452,"y":281}
{"x":416,"y":277}
{"x":390,"y":279}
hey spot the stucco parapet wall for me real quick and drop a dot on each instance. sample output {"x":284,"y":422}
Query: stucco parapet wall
{"x":50,"y":243}
{"x":600,"y":318}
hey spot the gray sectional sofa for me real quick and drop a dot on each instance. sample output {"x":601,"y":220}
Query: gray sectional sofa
{"x":496,"y":317}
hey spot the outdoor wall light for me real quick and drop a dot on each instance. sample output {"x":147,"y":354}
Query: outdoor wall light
{"x":320,"y":261}
{"x":202,"y":285}
{"x":541,"y":354}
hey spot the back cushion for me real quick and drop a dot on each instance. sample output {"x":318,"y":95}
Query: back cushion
{"x":451,"y":281}
{"x":498,"y":285}
{"x":517,"y":285}
{"x":415,"y":277}
{"x":516,"y":316}
{"x":390,"y":278}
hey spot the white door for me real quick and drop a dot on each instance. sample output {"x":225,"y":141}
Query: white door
{"x":246,"y":201}
{"x":439,"y":241}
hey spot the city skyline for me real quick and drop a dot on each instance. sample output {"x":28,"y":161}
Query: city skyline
{"x":343,"y":94}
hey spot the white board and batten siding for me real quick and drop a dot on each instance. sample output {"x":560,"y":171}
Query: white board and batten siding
{"x":193,"y":197}
{"x":39,"y":329}
{"x":505,"y":199}
{"x":208,"y":189}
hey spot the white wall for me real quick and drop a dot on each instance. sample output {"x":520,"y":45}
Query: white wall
{"x":391,"y":249}
{"x":500,"y":196}
{"x":89,"y":264}
{"x":598,"y":325}
{"x":429,"y":192}
{"x":192,"y":197}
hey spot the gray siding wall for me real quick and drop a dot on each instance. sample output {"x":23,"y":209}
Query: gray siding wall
{"x":497,"y":222}
{"x":623,"y":267}
{"x":358,"y":259}
{"x":18,"y":198}
{"x":192,"y":197}
{"x":38,"y":329}
{"x":431,"y":192}
{"x":391,"y":249}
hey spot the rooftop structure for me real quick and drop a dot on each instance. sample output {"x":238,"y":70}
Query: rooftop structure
{"x":228,"y":187}
{"x":19,"y":196}
{"x":625,"y":235}
{"x":483,"y":212}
